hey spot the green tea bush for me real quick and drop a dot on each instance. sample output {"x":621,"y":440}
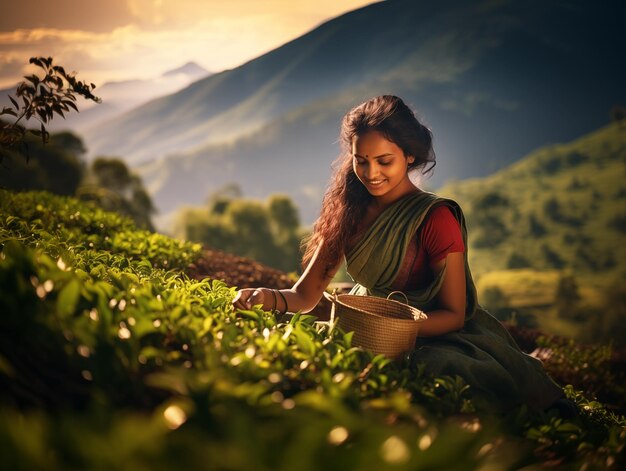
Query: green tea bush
{"x":111,"y":358}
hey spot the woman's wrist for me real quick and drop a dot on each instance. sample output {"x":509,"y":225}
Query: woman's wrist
{"x":285,"y":305}
{"x":269,"y":299}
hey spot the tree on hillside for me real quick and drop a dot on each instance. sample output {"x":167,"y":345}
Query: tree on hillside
{"x":56,"y":167}
{"x":618,"y":114}
{"x":567,"y":297}
{"x":111,"y":185}
{"x":285,"y":224}
{"x":606,"y":323}
{"x":266,"y":232}
{"x":219,"y":199}
{"x":488,"y":213}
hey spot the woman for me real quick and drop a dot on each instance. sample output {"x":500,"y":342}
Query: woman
{"x":395,"y":236}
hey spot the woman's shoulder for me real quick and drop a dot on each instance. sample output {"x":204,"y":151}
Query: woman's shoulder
{"x":441,"y":213}
{"x":440,"y":218}
{"x":426,"y":205}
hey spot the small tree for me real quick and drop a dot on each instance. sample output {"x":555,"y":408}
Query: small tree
{"x":111,"y":185}
{"x":42,"y":98}
{"x":618,"y":114}
{"x":56,"y":167}
{"x":567,"y":297}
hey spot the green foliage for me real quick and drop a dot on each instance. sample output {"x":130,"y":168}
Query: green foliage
{"x":552,"y":258}
{"x":268,"y":233}
{"x":110,"y":357}
{"x":567,"y":298}
{"x":535,"y":228}
{"x":568,"y":441}
{"x":564,"y":211}
{"x":618,"y":222}
{"x":489,"y":228}
{"x":56,"y":166}
{"x":517,"y":261}
{"x":111,"y":185}
{"x":561,"y":206}
{"x":491,"y":200}
{"x":490,"y":233}
{"x":493,"y":298}
{"x":605,"y":323}
{"x":555,"y":163}
{"x":43,"y":97}
{"x":618,"y":114}
{"x":585,"y":367}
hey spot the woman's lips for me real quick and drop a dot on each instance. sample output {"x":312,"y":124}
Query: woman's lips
{"x":375,"y":182}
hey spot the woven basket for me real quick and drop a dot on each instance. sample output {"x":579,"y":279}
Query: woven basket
{"x":381,"y":325}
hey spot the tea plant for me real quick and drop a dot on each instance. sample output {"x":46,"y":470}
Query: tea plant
{"x":111,"y":357}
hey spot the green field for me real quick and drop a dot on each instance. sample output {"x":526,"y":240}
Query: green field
{"x":112,"y":358}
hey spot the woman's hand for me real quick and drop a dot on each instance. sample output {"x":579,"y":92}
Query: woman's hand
{"x":248,"y":297}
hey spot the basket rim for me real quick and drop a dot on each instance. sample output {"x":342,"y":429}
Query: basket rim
{"x":336,"y":298}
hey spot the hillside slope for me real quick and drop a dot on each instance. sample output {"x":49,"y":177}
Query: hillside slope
{"x":562,"y":206}
{"x":494,"y":80}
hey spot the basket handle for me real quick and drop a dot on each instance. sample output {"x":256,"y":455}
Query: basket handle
{"x":406,"y":300}
{"x":333,"y":300}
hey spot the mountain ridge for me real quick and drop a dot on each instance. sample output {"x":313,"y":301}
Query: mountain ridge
{"x":493,"y":80}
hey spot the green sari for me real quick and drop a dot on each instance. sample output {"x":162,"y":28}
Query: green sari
{"x":483,"y":353}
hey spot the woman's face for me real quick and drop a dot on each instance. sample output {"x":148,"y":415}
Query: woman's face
{"x":381,"y":165}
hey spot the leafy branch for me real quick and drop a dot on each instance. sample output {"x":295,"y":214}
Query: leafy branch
{"x":42,"y":97}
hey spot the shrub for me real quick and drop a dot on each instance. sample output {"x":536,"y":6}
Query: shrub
{"x":111,"y":357}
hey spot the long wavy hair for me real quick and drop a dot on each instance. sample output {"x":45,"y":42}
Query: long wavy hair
{"x":346,"y":199}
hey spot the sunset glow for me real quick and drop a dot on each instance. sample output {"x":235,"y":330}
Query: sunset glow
{"x":132,"y":39}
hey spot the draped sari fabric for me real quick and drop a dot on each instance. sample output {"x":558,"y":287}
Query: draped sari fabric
{"x":482,"y":352}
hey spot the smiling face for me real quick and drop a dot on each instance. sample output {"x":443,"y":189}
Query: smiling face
{"x":381,"y":166}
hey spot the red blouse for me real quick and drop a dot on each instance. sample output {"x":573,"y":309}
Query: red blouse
{"x":439,"y":235}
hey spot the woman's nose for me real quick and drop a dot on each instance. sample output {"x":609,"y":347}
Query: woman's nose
{"x":371,"y":171}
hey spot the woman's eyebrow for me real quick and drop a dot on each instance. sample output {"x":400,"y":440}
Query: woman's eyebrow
{"x":377,"y":157}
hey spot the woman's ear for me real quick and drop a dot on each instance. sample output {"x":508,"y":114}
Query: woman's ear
{"x":410,"y":159}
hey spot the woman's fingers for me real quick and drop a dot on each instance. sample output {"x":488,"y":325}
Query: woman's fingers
{"x":256,"y":298}
{"x":246,"y":298}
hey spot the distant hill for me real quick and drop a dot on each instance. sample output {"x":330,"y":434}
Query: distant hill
{"x":494,"y":80}
{"x":190,"y":69}
{"x":561,"y":207}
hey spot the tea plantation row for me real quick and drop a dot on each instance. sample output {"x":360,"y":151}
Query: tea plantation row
{"x":112,"y":358}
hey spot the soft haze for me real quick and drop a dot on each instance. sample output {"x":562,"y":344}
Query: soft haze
{"x":126,"y":39}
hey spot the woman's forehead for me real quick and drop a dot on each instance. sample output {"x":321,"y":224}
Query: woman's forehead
{"x":373,"y":143}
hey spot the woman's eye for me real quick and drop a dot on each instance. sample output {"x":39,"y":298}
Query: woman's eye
{"x":384,"y":163}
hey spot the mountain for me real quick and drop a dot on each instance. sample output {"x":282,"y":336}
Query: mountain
{"x":190,"y":69}
{"x":561,"y":207}
{"x":494,"y":80}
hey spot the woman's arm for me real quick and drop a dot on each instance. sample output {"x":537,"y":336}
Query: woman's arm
{"x":450,"y":313}
{"x":303,"y":296}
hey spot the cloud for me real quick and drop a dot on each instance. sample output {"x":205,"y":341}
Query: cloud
{"x":152,"y":36}
{"x":96,"y":16}
{"x":216,"y":44}
{"x":10,"y":70}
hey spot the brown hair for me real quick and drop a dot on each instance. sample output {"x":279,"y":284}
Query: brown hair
{"x":346,"y":198}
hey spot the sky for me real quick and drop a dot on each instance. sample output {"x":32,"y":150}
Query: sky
{"x":112,"y":40}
